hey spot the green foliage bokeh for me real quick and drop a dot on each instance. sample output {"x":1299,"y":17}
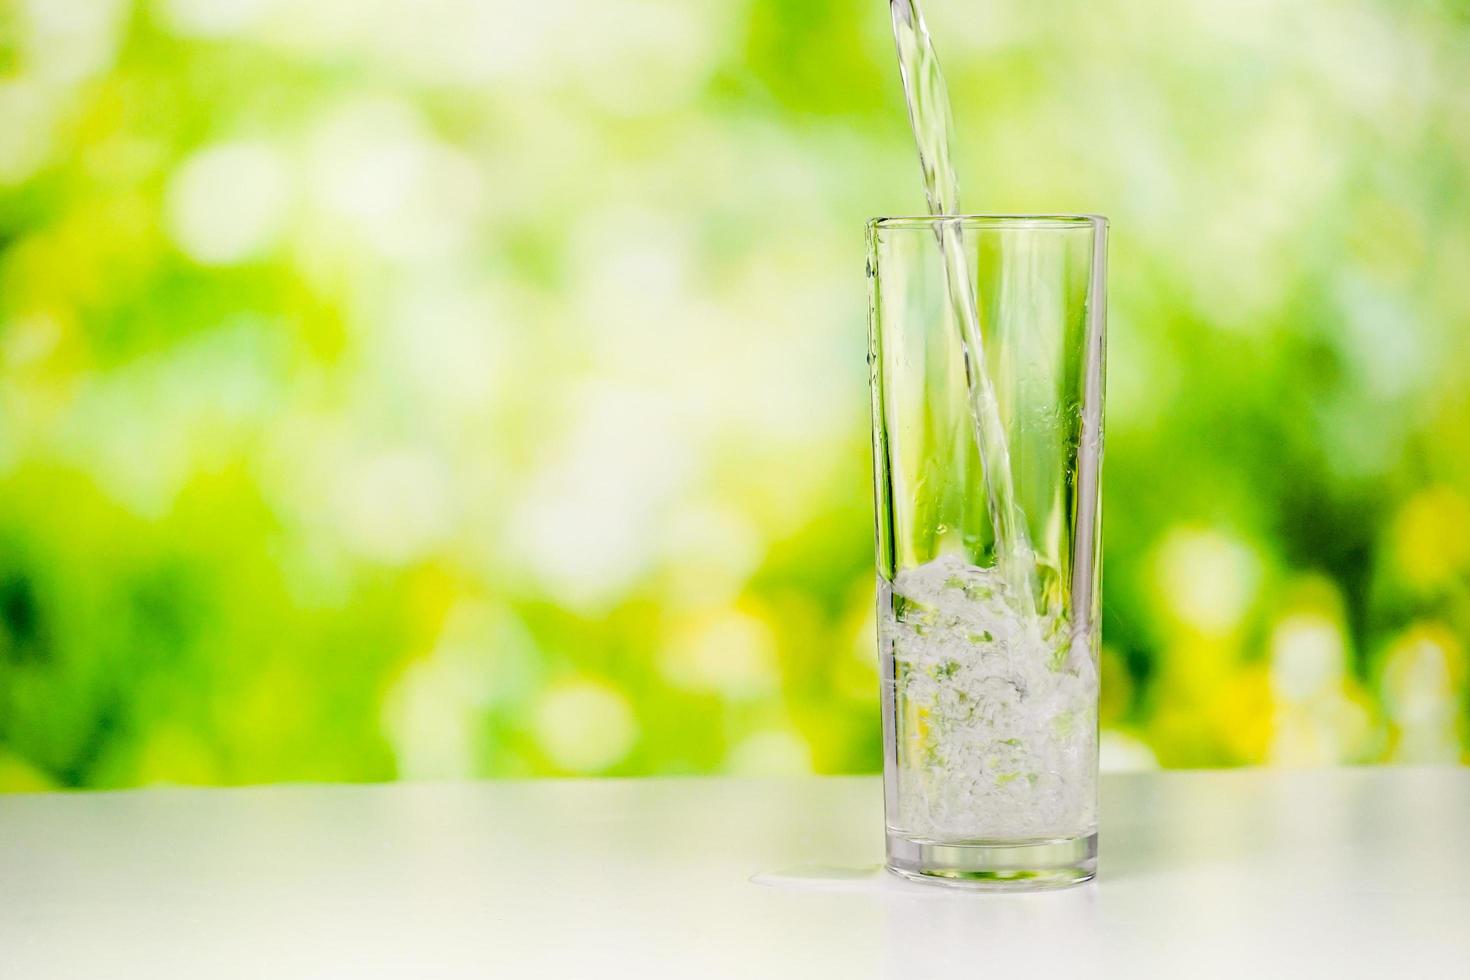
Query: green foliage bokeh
{"x":396,"y":389}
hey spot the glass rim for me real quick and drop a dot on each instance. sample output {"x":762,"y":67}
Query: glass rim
{"x":1059,"y":222}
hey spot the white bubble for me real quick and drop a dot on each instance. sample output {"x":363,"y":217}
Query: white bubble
{"x":1329,"y":729}
{"x":435,"y":713}
{"x":1119,"y":752}
{"x":1207,"y":579}
{"x":363,"y":156}
{"x":228,"y":202}
{"x":68,"y":41}
{"x":770,"y":753}
{"x":584,"y":726}
{"x":732,"y":653}
{"x":586,"y":527}
{"x":29,"y":340}
{"x":212,"y":18}
{"x":637,"y":58}
{"x":431,"y":726}
{"x":395,"y":505}
{"x":27,"y":116}
{"x":711,"y":551}
{"x":1421,"y":694}
{"x":1307,"y":656}
{"x":446,"y":340}
{"x":375,"y":165}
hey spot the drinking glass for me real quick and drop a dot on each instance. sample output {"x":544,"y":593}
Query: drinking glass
{"x":989,"y":649}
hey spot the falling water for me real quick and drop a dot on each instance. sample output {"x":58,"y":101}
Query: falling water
{"x":933,"y":126}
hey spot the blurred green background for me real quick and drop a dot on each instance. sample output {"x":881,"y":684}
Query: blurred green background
{"x":397,"y":389}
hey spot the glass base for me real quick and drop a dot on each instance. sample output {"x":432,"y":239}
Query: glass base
{"x":995,"y":865}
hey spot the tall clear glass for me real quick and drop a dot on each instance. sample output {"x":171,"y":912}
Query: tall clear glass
{"x":989,"y":650}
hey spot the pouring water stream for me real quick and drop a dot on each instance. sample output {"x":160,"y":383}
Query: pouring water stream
{"x":933,"y":126}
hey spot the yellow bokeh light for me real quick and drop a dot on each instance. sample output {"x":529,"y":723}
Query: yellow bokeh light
{"x":1430,"y":538}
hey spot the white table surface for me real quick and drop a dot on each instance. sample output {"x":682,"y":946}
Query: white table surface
{"x":1243,"y":873}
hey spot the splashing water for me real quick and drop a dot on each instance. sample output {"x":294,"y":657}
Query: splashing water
{"x":995,"y":711}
